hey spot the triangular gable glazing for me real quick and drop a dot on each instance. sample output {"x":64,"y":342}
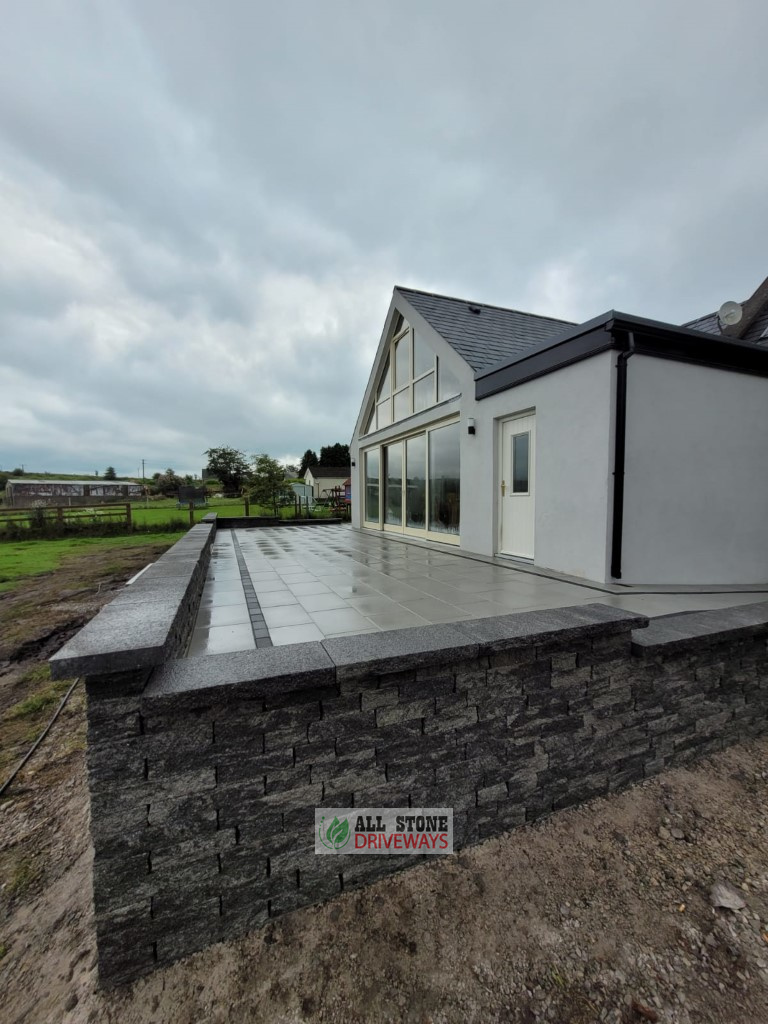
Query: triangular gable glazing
{"x":412,"y":379}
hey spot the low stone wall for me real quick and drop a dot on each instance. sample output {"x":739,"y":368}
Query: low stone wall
{"x":204,"y":774}
{"x":150,"y":621}
{"x":254,"y":522}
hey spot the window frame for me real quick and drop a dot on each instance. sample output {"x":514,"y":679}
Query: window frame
{"x":403,"y":330}
{"x":404,"y":529}
{"x":527,"y":491}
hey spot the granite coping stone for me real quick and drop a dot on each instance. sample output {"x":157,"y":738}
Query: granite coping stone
{"x":138,"y":628}
{"x":121,"y":637}
{"x":265,"y":672}
{"x":160,"y":588}
{"x":259,"y":522}
{"x":172,"y":567}
{"x":525,"y":629}
{"x":399,"y":650}
{"x":672,"y":634}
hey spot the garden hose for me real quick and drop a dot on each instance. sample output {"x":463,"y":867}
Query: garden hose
{"x":39,"y":739}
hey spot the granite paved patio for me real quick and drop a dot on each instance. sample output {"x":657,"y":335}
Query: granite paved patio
{"x":287,"y":585}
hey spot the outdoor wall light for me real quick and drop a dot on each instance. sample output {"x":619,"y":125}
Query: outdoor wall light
{"x":353,"y":462}
{"x":470,"y":426}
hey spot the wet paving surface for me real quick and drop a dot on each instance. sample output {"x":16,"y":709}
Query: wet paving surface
{"x":287,"y":585}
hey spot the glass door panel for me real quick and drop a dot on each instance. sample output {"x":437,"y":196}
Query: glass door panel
{"x":416,"y":482}
{"x":444,"y":486}
{"x":393,"y":469}
{"x":372,"y":486}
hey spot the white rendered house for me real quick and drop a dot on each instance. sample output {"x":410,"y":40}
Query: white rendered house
{"x":617,"y":450}
{"x":325,"y":480}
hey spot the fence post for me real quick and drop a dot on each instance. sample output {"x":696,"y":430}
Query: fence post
{"x":60,"y":513}
{"x":128,"y":515}
{"x":191,"y":513}
{"x":247,"y":506}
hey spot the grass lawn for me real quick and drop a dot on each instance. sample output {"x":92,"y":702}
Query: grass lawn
{"x":158,"y":511}
{"x":22,"y":559}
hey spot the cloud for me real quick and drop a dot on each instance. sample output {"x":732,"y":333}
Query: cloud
{"x":204,"y":209}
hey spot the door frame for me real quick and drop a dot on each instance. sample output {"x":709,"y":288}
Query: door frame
{"x":402,"y":438}
{"x":501,"y":422}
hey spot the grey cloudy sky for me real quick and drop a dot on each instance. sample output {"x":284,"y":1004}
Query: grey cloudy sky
{"x":205,"y":204}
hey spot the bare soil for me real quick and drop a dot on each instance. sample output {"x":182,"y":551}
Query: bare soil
{"x":602,"y":913}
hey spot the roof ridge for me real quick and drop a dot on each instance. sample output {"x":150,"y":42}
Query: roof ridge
{"x":486,"y":305}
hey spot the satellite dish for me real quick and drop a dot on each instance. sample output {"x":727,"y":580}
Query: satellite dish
{"x":730,"y":313}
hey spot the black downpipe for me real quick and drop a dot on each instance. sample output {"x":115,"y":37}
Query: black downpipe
{"x":619,"y":456}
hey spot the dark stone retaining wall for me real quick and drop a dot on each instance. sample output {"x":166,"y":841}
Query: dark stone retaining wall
{"x":204,"y":773}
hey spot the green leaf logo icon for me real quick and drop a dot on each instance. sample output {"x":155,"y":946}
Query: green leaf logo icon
{"x":338,"y":833}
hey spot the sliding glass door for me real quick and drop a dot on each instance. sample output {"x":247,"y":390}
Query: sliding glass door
{"x":416,"y":482}
{"x":413,"y":485}
{"x":393,"y":473}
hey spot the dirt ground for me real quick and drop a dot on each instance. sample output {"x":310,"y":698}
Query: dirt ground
{"x":602,"y":913}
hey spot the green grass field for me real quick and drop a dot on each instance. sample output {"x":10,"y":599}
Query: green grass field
{"x":159,"y":511}
{"x":22,"y":559}
{"x":166,"y":522}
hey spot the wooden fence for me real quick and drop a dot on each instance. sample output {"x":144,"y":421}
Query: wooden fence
{"x":47,"y":516}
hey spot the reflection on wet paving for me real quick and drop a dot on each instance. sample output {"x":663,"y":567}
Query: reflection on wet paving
{"x":306,"y":583}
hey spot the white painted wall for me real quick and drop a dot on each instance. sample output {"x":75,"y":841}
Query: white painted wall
{"x":323,"y":483}
{"x":574,"y":453}
{"x":696,"y":486}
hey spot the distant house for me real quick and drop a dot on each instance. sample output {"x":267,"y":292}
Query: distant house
{"x":619,"y":449}
{"x":325,"y":479}
{"x":23,"y":491}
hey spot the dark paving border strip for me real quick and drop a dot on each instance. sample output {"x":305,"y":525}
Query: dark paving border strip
{"x":258,"y":623}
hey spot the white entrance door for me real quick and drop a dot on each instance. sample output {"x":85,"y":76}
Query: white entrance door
{"x":517,"y":485}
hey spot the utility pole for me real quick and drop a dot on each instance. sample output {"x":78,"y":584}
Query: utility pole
{"x":144,"y":486}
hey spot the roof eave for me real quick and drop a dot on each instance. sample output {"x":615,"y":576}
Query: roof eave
{"x":611,"y":330}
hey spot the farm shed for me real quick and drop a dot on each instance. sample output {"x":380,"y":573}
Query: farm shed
{"x":22,"y":492}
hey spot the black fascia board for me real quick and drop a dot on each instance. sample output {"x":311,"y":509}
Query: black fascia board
{"x":573,"y":345}
{"x":652,"y":338}
{"x":686,"y":346}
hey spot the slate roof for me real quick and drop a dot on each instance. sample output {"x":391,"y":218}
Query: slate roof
{"x":324,"y":472}
{"x":757,"y":331}
{"x":754,"y":327}
{"x":483,"y":335}
{"x":709,"y":324}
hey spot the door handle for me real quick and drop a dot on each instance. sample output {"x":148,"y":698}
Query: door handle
{"x":503,"y":488}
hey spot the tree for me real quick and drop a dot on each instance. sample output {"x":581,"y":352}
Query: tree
{"x":309,"y":458}
{"x":268,"y":486}
{"x":335,"y":455}
{"x":229,"y":466}
{"x":167,"y":483}
{"x":109,"y":473}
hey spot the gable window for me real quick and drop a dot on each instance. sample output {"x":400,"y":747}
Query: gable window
{"x":383,"y":403}
{"x":413,"y":379}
